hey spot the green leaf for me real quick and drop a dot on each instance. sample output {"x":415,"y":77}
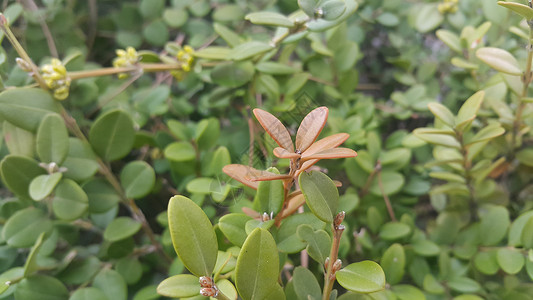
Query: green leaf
{"x":18,"y":173}
{"x":88,"y":293}
{"x":111,"y":284}
{"x":130,"y":269}
{"x":257,"y":266}
{"x":525,"y":156}
{"x":270,"y":194}
{"x":30,"y":266}
{"x":487,"y":133}
{"x":516,"y":229}
{"x":309,"y":6}
{"x":392,"y":183}
{"x":463,"y":285}
{"x":156,"y":33}
{"x":321,"y":194}
{"x":175,"y":18}
{"x":80,"y":271}
{"x":180,"y":151}
{"x":441,"y":139}
{"x":432,"y":285}
{"x":179,"y":286}
{"x":333,"y":9}
{"x":249,"y":50}
{"x":137,"y":178}
{"x":102,"y":196}
{"x":112,"y":135}
{"x":52,"y":140}
{"x":443,"y":113}
{"x":213,"y":52}
{"x":41,"y":287}
{"x":500,"y":60}
{"x":427,"y":17}
{"x":362,"y":277}
{"x":233,"y":74}
{"x":521,"y":9}
{"x":527,"y":234}
{"x":26,"y":107}
{"x":394,"y":230}
{"x":305,"y":284}
{"x":450,"y":39}
{"x":207,"y":133}
{"x":462,"y":63}
{"x":510,"y":260}
{"x":318,"y":242}
{"x":220,"y":158}
{"x":494,"y":225}
{"x":468,"y":111}
{"x":81,"y":161}
{"x":121,"y":228}
{"x":425,"y":248}
{"x":192,"y":235}
{"x":407,"y":292}
{"x":70,"y":200}
{"x":43,"y":185}
{"x":486,"y":262}
{"x":18,"y":141}
{"x":287,"y":238}
{"x":24,"y":227}
{"x":228,"y":13}
{"x":232,"y":225}
{"x":393,"y":263}
{"x":227,"y":35}
{"x":275,"y":68}
{"x":269,"y":18}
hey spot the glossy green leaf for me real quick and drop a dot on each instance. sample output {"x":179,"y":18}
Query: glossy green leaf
{"x":52,"y":139}
{"x":111,"y":284}
{"x":43,"y":185}
{"x":80,"y":271}
{"x":26,"y":107}
{"x":462,"y":63}
{"x":137,"y":178}
{"x":443,"y":113}
{"x":463,"y":285}
{"x":486,"y":262}
{"x":88,"y":293}
{"x":275,"y":68}
{"x":318,"y":242}
{"x":180,"y":151}
{"x":18,"y":141}
{"x":309,"y":6}
{"x":227,"y":35}
{"x":175,"y":18}
{"x":112,"y":135}
{"x":221,"y":157}
{"x":362,"y":277}
{"x":517,"y":227}
{"x":521,"y":9}
{"x":487,"y":133}
{"x":437,"y":138}
{"x":269,"y":18}
{"x":425,"y":248}
{"x":333,"y":9}
{"x":207,"y":133}
{"x":468,"y":110}
{"x":432,"y":285}
{"x":24,"y":227}
{"x":41,"y":287}
{"x":249,"y":50}
{"x":427,"y":17}
{"x":81,"y":161}
{"x":305,"y":284}
{"x":192,"y":235}
{"x":213,"y":52}
{"x":179,"y":286}
{"x":18,"y":173}
{"x":525,"y":156}
{"x":510,"y":260}
{"x":392,"y":183}
{"x":394,"y":231}
{"x":121,"y":228}
{"x":200,"y":185}
{"x":321,"y":194}
{"x":10,"y":275}
{"x":70,"y":201}
{"x":393,"y":263}
{"x":233,"y":74}
{"x":253,"y":224}
{"x":270,"y":194}
{"x":130,"y":269}
{"x":257,"y":266}
{"x":500,"y":60}
{"x":494,"y":225}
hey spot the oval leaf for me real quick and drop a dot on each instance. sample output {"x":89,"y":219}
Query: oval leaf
{"x":269,"y":18}
{"x":70,"y":201}
{"x":192,"y":235}
{"x":310,"y":128}
{"x":321,"y":194}
{"x":179,"y":286}
{"x":362,"y":277}
{"x":121,"y":228}
{"x":18,"y":173}
{"x":137,"y":178}
{"x":52,"y":140}
{"x":43,"y":185}
{"x":500,"y":60}
{"x":112,"y":135}
{"x":275,"y":129}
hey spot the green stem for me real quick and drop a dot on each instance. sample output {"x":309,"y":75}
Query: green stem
{"x":329,"y":277}
{"x":113,"y":71}
{"x":221,"y":296}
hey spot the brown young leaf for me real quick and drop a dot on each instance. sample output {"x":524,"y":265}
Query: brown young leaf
{"x":293,"y":204}
{"x":275,"y":129}
{"x":332,"y":153}
{"x":310,"y":128}
{"x":239,"y":173}
{"x":283,"y":153}
{"x":329,"y":142}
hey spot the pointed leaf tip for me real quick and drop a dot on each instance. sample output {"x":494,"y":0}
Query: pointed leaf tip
{"x":275,"y":129}
{"x":311,"y":127}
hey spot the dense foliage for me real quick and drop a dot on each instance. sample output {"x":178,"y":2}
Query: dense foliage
{"x":392,"y":135}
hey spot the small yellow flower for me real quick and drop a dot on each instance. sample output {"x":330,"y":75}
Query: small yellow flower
{"x":56,"y":78}
{"x":125,"y":58}
{"x":448,"y":6}
{"x":186,"y":58}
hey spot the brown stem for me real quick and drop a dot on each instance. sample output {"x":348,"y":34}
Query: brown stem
{"x":368,"y":182}
{"x":252,"y":137}
{"x":386,"y":199}
{"x":329,"y":277}
{"x":31,"y":6}
{"x":152,"y":67}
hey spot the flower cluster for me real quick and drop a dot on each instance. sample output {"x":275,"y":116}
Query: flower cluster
{"x":448,"y":6}
{"x":56,"y":78}
{"x":186,"y":59}
{"x":125,"y":58}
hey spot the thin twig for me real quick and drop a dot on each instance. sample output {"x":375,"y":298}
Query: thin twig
{"x":31,"y":6}
{"x":386,"y":198}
